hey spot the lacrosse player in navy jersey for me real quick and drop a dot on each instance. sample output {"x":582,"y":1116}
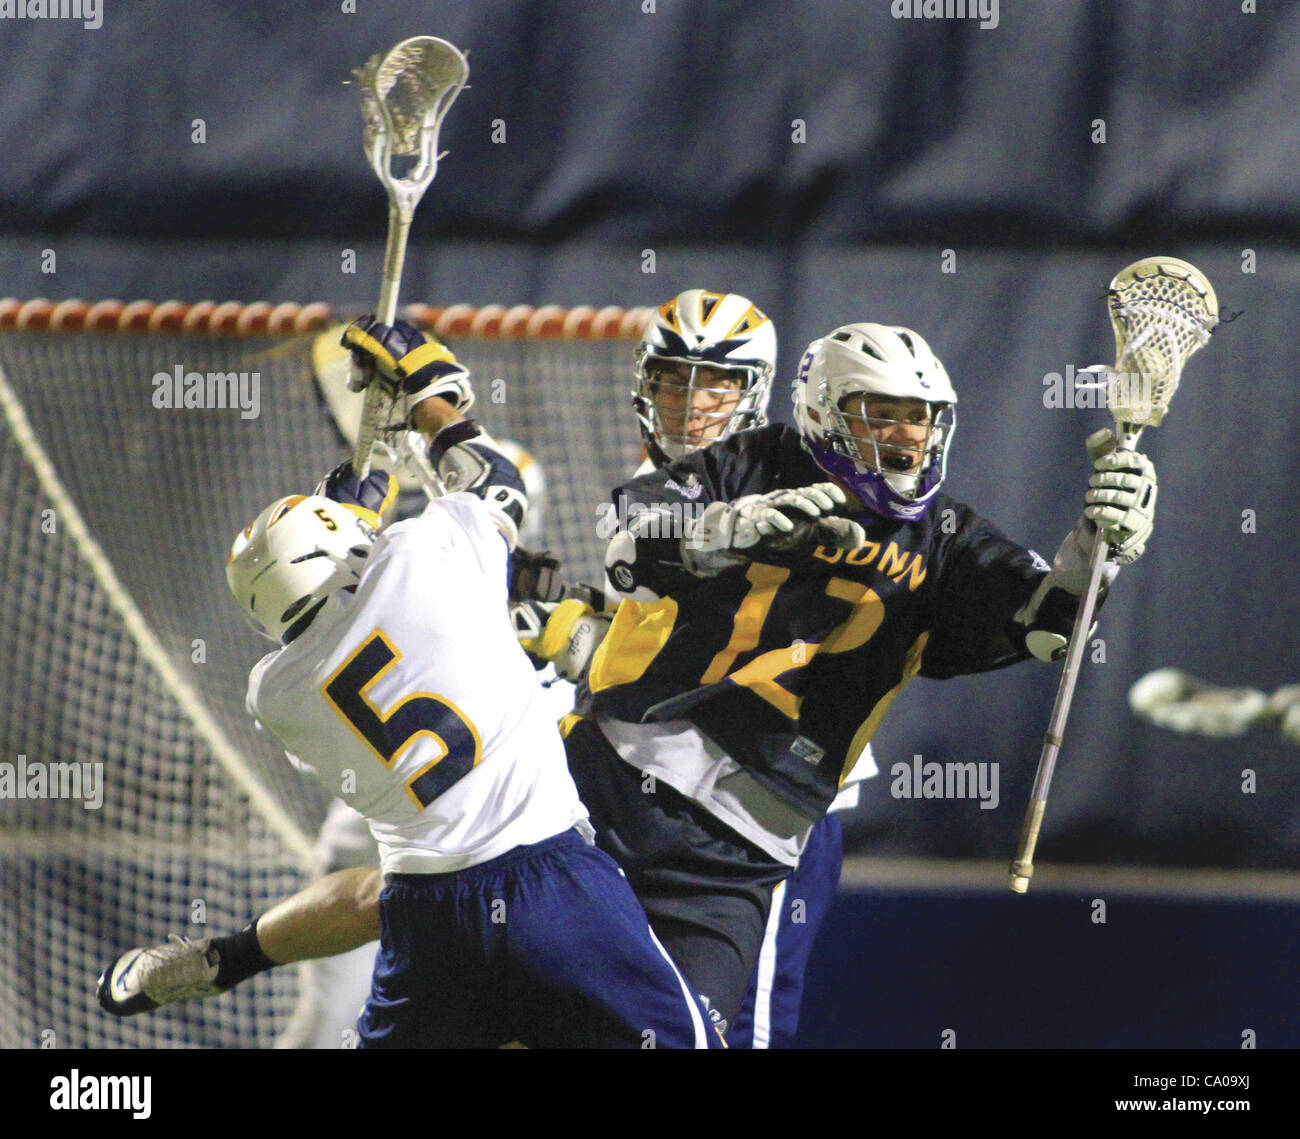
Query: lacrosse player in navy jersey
{"x":781,"y":587}
{"x":398,"y":670}
{"x":704,"y":371}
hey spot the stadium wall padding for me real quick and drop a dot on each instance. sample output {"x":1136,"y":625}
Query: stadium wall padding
{"x":677,"y":125}
{"x":921,"y":968}
{"x":947,"y":179}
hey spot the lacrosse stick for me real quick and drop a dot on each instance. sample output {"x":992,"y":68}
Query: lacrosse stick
{"x":405,"y":95}
{"x":1179,"y":702}
{"x":1162,"y":310}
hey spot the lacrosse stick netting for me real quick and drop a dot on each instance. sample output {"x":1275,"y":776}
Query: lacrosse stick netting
{"x":405,"y":94}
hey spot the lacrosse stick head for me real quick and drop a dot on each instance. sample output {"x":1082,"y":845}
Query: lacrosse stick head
{"x":1162,"y":310}
{"x":405,"y":94}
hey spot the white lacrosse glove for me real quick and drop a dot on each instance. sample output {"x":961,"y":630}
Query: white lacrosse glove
{"x":406,"y":363}
{"x":779,"y":522}
{"x":1178,"y":701}
{"x":566,"y":634}
{"x":1121,"y":498}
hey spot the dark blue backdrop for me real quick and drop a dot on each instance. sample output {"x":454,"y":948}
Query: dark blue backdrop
{"x":833,"y":163}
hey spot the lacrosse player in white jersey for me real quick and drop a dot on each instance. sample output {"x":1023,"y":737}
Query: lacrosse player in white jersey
{"x":399,"y":679}
{"x":335,"y":987}
{"x":704,"y":370}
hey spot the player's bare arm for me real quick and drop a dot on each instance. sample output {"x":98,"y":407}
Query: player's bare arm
{"x":333,"y":915}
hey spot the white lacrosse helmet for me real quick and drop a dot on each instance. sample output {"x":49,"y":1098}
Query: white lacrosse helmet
{"x":296,"y":553}
{"x":874,"y":359}
{"x":717,"y":330}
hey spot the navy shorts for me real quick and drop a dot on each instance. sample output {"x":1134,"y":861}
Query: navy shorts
{"x":706,"y":889}
{"x":546,"y":946}
{"x":769,"y":1017}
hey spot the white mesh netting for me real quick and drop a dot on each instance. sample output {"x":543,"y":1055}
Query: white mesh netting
{"x":1162,"y":310}
{"x":161,"y":492}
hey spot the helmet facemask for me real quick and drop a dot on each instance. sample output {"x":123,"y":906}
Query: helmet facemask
{"x":876,"y":411}
{"x":703,"y":372}
{"x":683,"y":404}
{"x":898,"y":458}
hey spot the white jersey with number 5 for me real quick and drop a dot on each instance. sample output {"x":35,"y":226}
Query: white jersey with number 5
{"x":412,"y":700}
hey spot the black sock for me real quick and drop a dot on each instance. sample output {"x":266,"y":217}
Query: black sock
{"x":241,"y":957}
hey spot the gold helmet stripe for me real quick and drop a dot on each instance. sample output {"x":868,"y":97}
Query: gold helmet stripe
{"x":750,"y":319}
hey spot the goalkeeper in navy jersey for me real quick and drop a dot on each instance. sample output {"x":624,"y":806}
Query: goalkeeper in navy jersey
{"x":782,"y":586}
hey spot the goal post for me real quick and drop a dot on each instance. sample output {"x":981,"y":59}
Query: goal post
{"x":137,"y":799}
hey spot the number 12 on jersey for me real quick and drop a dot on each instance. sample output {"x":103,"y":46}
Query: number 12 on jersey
{"x":389,"y":733}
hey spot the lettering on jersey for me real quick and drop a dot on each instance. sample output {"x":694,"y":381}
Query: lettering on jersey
{"x":915,"y":573}
{"x":762,"y":674}
{"x":894,"y":563}
{"x":418,"y":714}
{"x":864,"y":555}
{"x":747,"y":626}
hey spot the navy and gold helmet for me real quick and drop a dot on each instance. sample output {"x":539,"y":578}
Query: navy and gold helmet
{"x":703,"y":370}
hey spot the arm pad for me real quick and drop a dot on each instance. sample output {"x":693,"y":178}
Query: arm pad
{"x":464,"y":463}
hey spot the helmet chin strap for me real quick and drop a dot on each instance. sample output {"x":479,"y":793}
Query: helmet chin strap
{"x":902,"y":483}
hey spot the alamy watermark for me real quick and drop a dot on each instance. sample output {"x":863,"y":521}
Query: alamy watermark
{"x":647,"y":520}
{"x":985,"y":11}
{"x":23,"y":780}
{"x":1089,"y":388}
{"x":75,"y":1092}
{"x":920,"y":780}
{"x":179,"y":388}
{"x":89,"y":12}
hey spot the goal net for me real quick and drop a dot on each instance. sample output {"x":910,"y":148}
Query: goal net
{"x":137,"y":799}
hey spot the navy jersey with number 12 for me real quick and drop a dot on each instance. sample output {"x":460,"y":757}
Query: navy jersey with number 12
{"x":788,"y":663}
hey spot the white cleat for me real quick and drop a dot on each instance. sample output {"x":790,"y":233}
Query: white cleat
{"x":142,"y":980}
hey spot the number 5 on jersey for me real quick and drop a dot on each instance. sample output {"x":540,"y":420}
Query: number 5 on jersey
{"x":389,"y":733}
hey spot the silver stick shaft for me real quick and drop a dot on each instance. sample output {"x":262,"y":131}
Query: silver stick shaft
{"x":1022,"y":866}
{"x":399,"y":227}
